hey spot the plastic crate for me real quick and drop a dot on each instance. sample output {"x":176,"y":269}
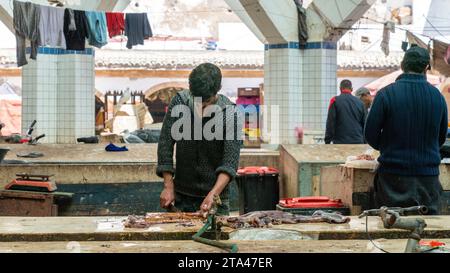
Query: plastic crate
{"x":248,"y":92}
{"x":253,"y":133}
{"x":249,"y":108}
{"x":310,"y":211}
{"x":252,"y":143}
{"x":251,"y":125}
{"x":247,"y":100}
{"x":309,"y":204}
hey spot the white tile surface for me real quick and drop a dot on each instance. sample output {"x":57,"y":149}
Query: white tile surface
{"x":57,"y":91}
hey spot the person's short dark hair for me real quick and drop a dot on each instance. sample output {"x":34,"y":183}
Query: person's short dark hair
{"x":346,"y":84}
{"x":205,"y":81}
{"x":416,"y":60}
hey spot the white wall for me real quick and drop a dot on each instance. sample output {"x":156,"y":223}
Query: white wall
{"x":8,"y":39}
{"x":237,"y":36}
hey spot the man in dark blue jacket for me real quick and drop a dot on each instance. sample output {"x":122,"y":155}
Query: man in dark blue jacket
{"x":346,"y":117}
{"x":408,"y":124}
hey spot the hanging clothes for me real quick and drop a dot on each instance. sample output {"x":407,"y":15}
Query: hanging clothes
{"x":26,"y":18}
{"x":51,"y":27}
{"x":302,"y":26}
{"x":115,"y":22}
{"x":97,"y":28}
{"x":388,"y":28}
{"x":76,"y":29}
{"x":414,"y":40}
{"x":447,"y":55}
{"x":439,"y":63}
{"x":137,"y":28}
{"x":405,"y":46}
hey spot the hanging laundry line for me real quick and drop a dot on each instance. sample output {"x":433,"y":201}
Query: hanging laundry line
{"x":69,"y":28}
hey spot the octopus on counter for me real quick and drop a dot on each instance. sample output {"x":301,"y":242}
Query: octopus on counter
{"x":260,"y":219}
{"x":255,"y":219}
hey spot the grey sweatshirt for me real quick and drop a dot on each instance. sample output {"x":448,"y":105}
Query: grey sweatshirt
{"x":26,"y":18}
{"x":51,"y":27}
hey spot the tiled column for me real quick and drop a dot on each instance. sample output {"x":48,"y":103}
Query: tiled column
{"x":282,"y":84}
{"x":76,"y":103}
{"x":319,"y":83}
{"x":58,"y":91}
{"x":39,"y":95}
{"x":301,"y":83}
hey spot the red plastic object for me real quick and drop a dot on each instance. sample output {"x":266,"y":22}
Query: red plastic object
{"x":247,"y":100}
{"x":47,"y":186}
{"x":431,"y":243}
{"x":257,"y":170}
{"x":311,"y":202}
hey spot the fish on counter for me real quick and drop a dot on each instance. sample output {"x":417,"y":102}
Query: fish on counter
{"x":185,"y":218}
{"x":255,"y":219}
{"x":262,"y":219}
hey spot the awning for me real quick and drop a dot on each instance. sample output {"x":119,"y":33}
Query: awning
{"x":10,"y":114}
{"x":384,"y":81}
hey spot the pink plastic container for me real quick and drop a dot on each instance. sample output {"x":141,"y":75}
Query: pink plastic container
{"x":247,"y":100}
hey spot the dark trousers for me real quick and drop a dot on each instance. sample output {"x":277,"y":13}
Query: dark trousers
{"x":187,"y":203}
{"x":407,"y":191}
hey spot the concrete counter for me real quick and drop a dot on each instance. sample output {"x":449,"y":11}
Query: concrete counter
{"x":108,"y":183}
{"x":32,"y":229}
{"x":354,"y":186}
{"x":278,"y":246}
{"x":301,"y":164}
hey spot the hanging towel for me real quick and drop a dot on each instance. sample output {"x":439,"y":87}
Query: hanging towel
{"x":137,"y":28}
{"x":302,"y":27}
{"x":388,"y":28}
{"x":75,"y":39}
{"x":414,"y":40}
{"x":51,"y":27}
{"x":97,"y":28}
{"x":115,"y":22}
{"x":26,"y":17}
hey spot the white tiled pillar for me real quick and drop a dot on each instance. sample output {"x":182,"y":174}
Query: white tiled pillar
{"x":301,"y":83}
{"x":39,"y":95}
{"x":319,"y":83}
{"x":282,"y":85}
{"x":58,"y":91}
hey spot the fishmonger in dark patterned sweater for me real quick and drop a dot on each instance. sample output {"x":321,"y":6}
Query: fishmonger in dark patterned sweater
{"x":205,"y":162}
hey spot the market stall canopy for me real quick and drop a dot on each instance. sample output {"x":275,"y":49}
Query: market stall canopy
{"x":10,"y":109}
{"x":10,"y":115}
{"x":441,"y":55}
{"x":378,"y":84}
